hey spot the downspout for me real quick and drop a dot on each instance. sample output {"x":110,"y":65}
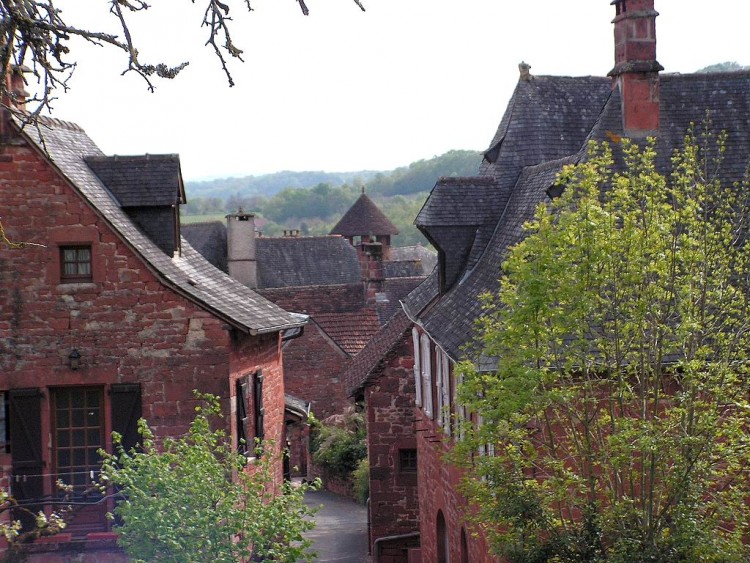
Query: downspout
{"x":377,"y":543}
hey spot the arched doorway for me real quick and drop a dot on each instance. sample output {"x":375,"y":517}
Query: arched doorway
{"x":442,"y":539}
{"x":464,"y":547}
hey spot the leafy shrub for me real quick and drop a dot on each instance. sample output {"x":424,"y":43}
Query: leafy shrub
{"x":339,"y":448}
{"x":361,"y":477}
{"x":191,"y":499}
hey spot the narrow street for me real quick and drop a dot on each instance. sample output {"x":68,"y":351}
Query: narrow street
{"x":340,"y":535}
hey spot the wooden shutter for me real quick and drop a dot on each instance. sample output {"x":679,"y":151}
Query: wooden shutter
{"x":445,"y":391}
{"x":258,"y":404}
{"x":26,"y":452}
{"x":426,"y":359}
{"x":126,"y":411}
{"x":243,"y":446}
{"x":417,"y":368}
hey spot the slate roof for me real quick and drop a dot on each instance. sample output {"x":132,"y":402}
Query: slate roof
{"x":547,"y":125}
{"x":141,"y":181}
{"x":427,"y":256}
{"x":365,"y":365}
{"x":402,"y":268}
{"x":67,"y":146}
{"x":364,"y":218}
{"x":210,"y":239}
{"x":395,"y":290}
{"x":350,"y":330}
{"x":304,"y":261}
{"x":296,"y":406}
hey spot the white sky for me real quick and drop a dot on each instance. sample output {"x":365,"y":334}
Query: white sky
{"x":343,"y":89}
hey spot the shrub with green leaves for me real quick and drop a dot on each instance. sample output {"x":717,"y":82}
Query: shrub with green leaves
{"x":193,"y":499}
{"x":339,"y":448}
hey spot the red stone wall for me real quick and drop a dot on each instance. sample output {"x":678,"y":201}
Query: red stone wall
{"x":394,"y":506}
{"x":438,"y":484}
{"x":438,"y":491}
{"x":251,"y":354}
{"x":317,"y":299}
{"x":313,"y":365}
{"x":127,"y":326}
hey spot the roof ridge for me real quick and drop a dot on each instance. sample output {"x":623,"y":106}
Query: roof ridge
{"x":53,"y":122}
{"x":467,"y":180}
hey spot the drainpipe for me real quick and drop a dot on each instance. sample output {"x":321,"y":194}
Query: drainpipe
{"x":378,"y":541}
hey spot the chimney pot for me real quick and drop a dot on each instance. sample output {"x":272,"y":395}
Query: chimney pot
{"x":524,"y":69}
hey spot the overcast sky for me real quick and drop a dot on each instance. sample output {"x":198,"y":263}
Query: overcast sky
{"x":343,"y":90}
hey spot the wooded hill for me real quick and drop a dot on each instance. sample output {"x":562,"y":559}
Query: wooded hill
{"x":314,"y":201}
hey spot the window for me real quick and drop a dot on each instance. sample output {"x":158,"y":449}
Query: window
{"x":77,"y":430}
{"x":78,"y":434}
{"x":407,"y":460}
{"x":4,"y":427}
{"x":75,"y":264}
{"x":247,"y":436}
{"x":242,"y":419}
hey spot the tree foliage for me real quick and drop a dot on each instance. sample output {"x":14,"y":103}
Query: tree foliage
{"x":619,"y":410}
{"x":340,"y":445}
{"x":194,"y":499}
{"x":35,"y":35}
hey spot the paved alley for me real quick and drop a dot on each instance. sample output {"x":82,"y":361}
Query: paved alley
{"x":340,"y":535}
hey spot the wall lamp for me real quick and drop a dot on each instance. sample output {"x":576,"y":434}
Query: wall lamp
{"x":74,"y":359}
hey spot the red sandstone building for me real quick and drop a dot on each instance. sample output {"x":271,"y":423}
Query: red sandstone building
{"x":349,"y":282}
{"x":107,"y":315}
{"x":472,"y":222}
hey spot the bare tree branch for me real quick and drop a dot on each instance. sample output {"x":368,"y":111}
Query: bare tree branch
{"x":34,"y":38}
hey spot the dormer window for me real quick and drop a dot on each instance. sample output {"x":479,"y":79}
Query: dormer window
{"x":75,"y":264}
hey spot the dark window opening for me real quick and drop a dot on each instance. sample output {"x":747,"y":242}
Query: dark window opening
{"x":407,"y":460}
{"x":75,"y":264}
{"x":4,"y":425}
{"x":243,"y":446}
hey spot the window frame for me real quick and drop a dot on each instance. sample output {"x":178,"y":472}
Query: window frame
{"x":57,"y":430}
{"x":78,"y":277}
{"x":408,"y":461}
{"x":242,"y":420}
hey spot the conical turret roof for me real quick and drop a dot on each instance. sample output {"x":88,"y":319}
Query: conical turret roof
{"x":364,"y":218}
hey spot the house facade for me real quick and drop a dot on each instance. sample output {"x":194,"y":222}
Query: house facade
{"x":381,"y":377}
{"x":108,"y":315}
{"x":473,"y":221}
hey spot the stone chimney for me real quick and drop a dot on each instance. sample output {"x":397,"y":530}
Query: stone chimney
{"x":636,"y":70}
{"x":241,"y":260}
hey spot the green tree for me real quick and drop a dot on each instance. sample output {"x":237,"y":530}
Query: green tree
{"x":194,"y":499}
{"x":619,"y":410}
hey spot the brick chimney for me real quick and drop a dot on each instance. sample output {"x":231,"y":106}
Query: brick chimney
{"x":636,"y":70}
{"x":241,"y":260}
{"x":14,"y":98}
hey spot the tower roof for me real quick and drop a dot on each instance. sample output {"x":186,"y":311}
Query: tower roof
{"x":364,"y":218}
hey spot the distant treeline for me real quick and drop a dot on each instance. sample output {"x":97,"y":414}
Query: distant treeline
{"x":729,"y":66}
{"x":315,"y":208}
